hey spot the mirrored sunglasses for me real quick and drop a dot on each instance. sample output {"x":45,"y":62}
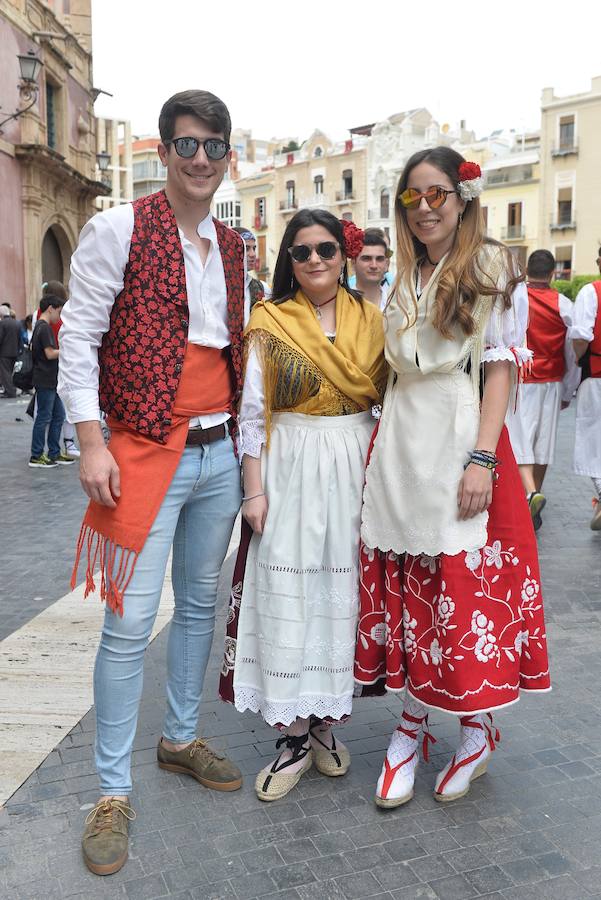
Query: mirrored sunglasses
{"x":300,"y":253}
{"x":187,"y":147}
{"x":435,"y":197}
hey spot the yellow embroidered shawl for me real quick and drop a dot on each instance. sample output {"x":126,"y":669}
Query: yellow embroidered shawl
{"x":303,"y":371}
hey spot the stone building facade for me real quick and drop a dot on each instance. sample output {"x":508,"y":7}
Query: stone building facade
{"x":48,"y":180}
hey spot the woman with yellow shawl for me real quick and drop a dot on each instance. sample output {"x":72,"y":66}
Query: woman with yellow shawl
{"x":315,"y":367}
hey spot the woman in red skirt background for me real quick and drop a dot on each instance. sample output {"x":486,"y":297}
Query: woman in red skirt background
{"x":451,"y":607}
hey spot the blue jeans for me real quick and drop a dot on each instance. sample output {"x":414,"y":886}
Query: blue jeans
{"x":196,"y":518}
{"x":50,"y":414}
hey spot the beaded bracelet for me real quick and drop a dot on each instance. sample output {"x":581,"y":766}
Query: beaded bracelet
{"x":483,"y":458}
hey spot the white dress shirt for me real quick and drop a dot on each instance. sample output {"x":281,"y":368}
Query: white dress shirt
{"x":97,"y":276}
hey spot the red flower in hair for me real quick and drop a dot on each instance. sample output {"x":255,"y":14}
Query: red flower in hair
{"x":469,"y":170}
{"x":353,"y":238}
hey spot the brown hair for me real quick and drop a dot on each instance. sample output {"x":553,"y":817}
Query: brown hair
{"x":375,"y":237}
{"x":462,"y":279}
{"x":201,"y":104}
{"x":56,"y":289}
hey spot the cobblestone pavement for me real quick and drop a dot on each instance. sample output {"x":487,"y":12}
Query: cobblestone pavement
{"x":530,"y":829}
{"x":40,"y":515}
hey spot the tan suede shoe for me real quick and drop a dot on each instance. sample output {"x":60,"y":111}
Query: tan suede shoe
{"x":203,"y":763}
{"x":105,"y":836}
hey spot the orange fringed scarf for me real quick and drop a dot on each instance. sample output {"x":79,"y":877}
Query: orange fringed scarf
{"x":114,"y":538}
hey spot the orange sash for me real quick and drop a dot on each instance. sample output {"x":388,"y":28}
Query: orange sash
{"x":146,"y":470}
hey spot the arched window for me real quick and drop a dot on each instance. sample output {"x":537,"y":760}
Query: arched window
{"x":318,"y":185}
{"x":52,"y":258}
{"x":385,"y":203}
{"x":318,"y":152}
{"x":347,"y":184}
{"x":290,"y":194}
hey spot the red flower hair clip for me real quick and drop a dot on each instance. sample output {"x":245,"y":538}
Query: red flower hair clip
{"x":353,"y":238}
{"x":471,"y":183}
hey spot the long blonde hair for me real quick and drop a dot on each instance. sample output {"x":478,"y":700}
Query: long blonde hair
{"x":462,"y":279}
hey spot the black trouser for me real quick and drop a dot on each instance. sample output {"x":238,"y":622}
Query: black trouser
{"x":6,"y":376}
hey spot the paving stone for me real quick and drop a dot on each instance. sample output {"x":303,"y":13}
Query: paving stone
{"x":488,"y":879}
{"x":454,"y":887}
{"x":146,"y":888}
{"x":415,"y":892}
{"x":362,"y":884}
{"x":405,"y":848}
{"x":396,"y":876}
{"x":220,"y":869}
{"x":323,"y":890}
{"x":291,"y":875}
{"x":430,"y":867}
{"x":256,"y":885}
{"x":184,"y":877}
{"x":525,"y":871}
{"x":554,"y":863}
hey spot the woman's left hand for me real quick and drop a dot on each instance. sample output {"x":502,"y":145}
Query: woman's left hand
{"x":475,"y":491}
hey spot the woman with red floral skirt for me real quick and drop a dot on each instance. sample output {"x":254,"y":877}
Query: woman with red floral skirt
{"x":451,"y":609}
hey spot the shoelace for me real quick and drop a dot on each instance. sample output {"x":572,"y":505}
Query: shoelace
{"x":103,"y":813}
{"x":200,"y":746}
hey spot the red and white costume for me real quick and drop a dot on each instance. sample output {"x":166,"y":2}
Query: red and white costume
{"x":552,"y":379}
{"x":450,"y":609}
{"x":587,"y":327}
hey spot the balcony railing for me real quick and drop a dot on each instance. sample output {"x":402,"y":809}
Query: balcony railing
{"x":287,"y":205}
{"x":314,"y":200}
{"x":563,"y":226}
{"x":565,"y":149}
{"x":512,"y":233}
{"x":376,"y":213}
{"x":344,"y":196}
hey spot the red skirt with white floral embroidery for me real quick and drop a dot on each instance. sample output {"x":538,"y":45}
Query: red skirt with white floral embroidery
{"x":462,"y":633}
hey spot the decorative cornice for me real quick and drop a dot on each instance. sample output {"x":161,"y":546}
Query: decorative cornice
{"x":50,"y":161}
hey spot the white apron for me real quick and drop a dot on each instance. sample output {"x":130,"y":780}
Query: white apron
{"x":429,"y":425}
{"x":298,"y":615}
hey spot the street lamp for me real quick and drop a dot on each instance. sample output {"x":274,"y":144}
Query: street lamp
{"x":29,"y":68}
{"x":103,"y":159}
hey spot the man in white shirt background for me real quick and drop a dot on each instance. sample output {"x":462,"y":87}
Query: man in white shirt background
{"x":153,"y":333}
{"x":586,"y":335}
{"x":371,"y":266}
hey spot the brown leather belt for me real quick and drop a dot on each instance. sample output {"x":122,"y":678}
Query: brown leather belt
{"x":198,"y":435}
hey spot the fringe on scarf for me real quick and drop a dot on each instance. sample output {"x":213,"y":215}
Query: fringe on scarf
{"x":102,"y":552}
{"x":291,"y":379}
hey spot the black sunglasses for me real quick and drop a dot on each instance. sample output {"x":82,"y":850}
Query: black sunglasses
{"x":301,"y":253}
{"x":187,"y":147}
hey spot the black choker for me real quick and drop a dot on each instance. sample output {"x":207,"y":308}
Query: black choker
{"x":433,"y":264}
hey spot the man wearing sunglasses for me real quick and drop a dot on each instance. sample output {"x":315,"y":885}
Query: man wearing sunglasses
{"x":153,"y":336}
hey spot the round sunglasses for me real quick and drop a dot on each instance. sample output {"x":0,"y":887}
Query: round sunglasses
{"x":301,"y":253}
{"x":187,"y":147}
{"x":435,"y":197}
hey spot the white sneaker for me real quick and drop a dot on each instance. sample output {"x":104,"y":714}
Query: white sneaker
{"x":469,"y":762}
{"x":71,"y":448}
{"x":395,"y":784}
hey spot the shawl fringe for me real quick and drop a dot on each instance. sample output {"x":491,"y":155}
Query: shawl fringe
{"x":102,"y":552}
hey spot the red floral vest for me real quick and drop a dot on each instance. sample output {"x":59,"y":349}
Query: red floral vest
{"x":142,"y":353}
{"x":545,"y":336}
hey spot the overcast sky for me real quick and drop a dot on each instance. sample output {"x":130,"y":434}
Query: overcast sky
{"x":286,"y":67}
